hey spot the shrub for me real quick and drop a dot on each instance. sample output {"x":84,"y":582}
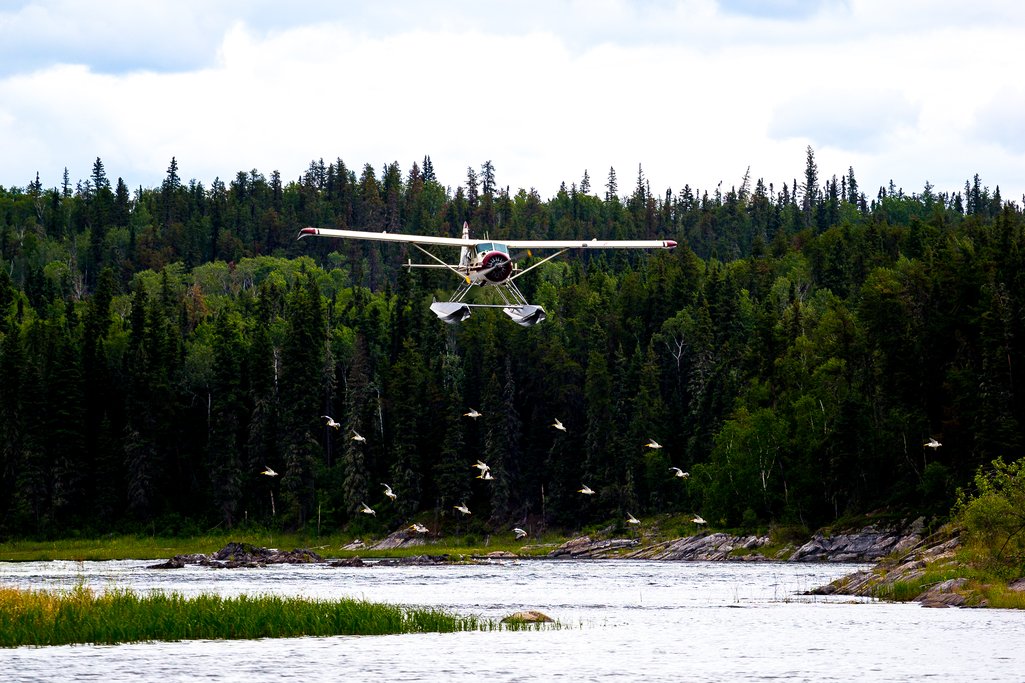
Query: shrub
{"x":993,"y":516}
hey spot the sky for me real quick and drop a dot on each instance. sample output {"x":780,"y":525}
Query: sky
{"x":687,"y":92}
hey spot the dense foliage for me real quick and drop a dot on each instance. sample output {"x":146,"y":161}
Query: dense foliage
{"x":159,"y":348}
{"x":992,"y":514}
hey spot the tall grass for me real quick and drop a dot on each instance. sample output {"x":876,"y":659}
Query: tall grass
{"x":120,"y":616}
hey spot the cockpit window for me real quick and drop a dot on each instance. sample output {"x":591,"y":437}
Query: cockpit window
{"x":485,"y":247}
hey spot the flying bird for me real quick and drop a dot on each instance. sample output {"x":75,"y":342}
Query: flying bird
{"x":932,"y":443}
{"x":698,"y":520}
{"x":388,"y":492}
{"x":631,"y":519}
{"x":419,"y":528}
{"x":679,"y":473}
{"x":653,"y":444}
{"x":331,"y":422}
{"x":482,"y":466}
{"x":269,"y":472}
{"x":485,"y":475}
{"x":367,"y":510}
{"x":473,"y":413}
{"x":356,"y":436}
{"x":558,"y":425}
{"x":462,"y":508}
{"x":586,"y":490}
{"x":520,"y":533}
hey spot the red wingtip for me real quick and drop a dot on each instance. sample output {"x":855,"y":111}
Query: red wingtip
{"x":306,"y":231}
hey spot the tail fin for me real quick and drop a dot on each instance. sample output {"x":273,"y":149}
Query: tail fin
{"x":464,"y":252}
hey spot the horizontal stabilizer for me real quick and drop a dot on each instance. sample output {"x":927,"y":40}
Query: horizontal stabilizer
{"x":526,"y":315}
{"x":451,"y":311}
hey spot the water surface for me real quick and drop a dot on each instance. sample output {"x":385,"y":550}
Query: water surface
{"x":626,"y":620}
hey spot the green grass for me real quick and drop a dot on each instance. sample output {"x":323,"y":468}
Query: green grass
{"x":121,"y":616}
{"x":904,"y":591}
{"x":131,"y":547}
{"x":997,"y":595}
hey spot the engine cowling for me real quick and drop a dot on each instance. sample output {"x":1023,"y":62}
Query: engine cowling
{"x":496,"y":267}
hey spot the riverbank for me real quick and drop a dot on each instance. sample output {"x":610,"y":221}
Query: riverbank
{"x":662,"y":538}
{"x":939,"y":572}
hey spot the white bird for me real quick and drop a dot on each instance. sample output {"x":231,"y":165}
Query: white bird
{"x":485,"y":475}
{"x":679,"y":473}
{"x":462,"y":508}
{"x":331,"y":422}
{"x":586,"y":490}
{"x":482,"y":466}
{"x":653,"y":444}
{"x":558,"y":425}
{"x":473,"y":413}
{"x":367,"y":510}
{"x":388,"y":492}
{"x":932,"y":443}
{"x":419,"y":528}
{"x":520,"y":533}
{"x":631,"y":519}
{"x":698,"y":520}
{"x":269,"y":472}
{"x":356,"y":436}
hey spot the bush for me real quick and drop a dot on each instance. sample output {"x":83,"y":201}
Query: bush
{"x":993,"y":516}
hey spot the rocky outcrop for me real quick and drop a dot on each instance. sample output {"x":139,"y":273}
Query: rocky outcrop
{"x":417,"y":560}
{"x":585,"y":548}
{"x":706,"y":547}
{"x":946,"y":594}
{"x":870,"y":544}
{"x":236,"y":555}
{"x":881,"y":580}
{"x":403,"y":538}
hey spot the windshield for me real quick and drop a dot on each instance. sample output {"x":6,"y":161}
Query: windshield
{"x":485,"y":247}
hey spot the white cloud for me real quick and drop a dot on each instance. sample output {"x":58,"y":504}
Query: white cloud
{"x":692,"y":92}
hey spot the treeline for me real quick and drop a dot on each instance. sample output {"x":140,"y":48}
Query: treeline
{"x":160,"y":348}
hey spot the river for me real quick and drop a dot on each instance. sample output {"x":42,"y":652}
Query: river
{"x":625,"y":620}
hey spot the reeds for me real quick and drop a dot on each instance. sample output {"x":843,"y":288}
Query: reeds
{"x":82,"y":615}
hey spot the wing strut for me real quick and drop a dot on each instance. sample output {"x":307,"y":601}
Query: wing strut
{"x":544,"y":260}
{"x":462,"y":276}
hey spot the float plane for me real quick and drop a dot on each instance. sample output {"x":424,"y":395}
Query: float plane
{"x":486,"y":263}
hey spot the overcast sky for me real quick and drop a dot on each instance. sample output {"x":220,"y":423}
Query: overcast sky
{"x":693,"y":91}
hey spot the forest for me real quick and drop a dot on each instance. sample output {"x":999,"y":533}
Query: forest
{"x":160,"y":347}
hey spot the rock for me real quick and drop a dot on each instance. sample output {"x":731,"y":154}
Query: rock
{"x":583,"y":547}
{"x":1018,"y":585}
{"x":355,"y":545}
{"x":235,"y":555}
{"x":415,"y":560}
{"x":501,"y":555}
{"x":909,"y":569}
{"x":403,"y":538}
{"x":945,"y":594}
{"x":354,"y":561}
{"x":870,"y":544}
{"x":531,"y":616}
{"x":707,"y":547}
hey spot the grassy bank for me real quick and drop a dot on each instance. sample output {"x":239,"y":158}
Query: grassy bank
{"x":121,"y":616}
{"x":155,"y":547}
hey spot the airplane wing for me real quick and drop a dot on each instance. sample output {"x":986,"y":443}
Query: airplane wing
{"x":589,"y":244}
{"x":388,"y":237}
{"x":466,"y":242}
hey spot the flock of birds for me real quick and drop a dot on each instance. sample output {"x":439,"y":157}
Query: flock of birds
{"x":485,"y":475}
